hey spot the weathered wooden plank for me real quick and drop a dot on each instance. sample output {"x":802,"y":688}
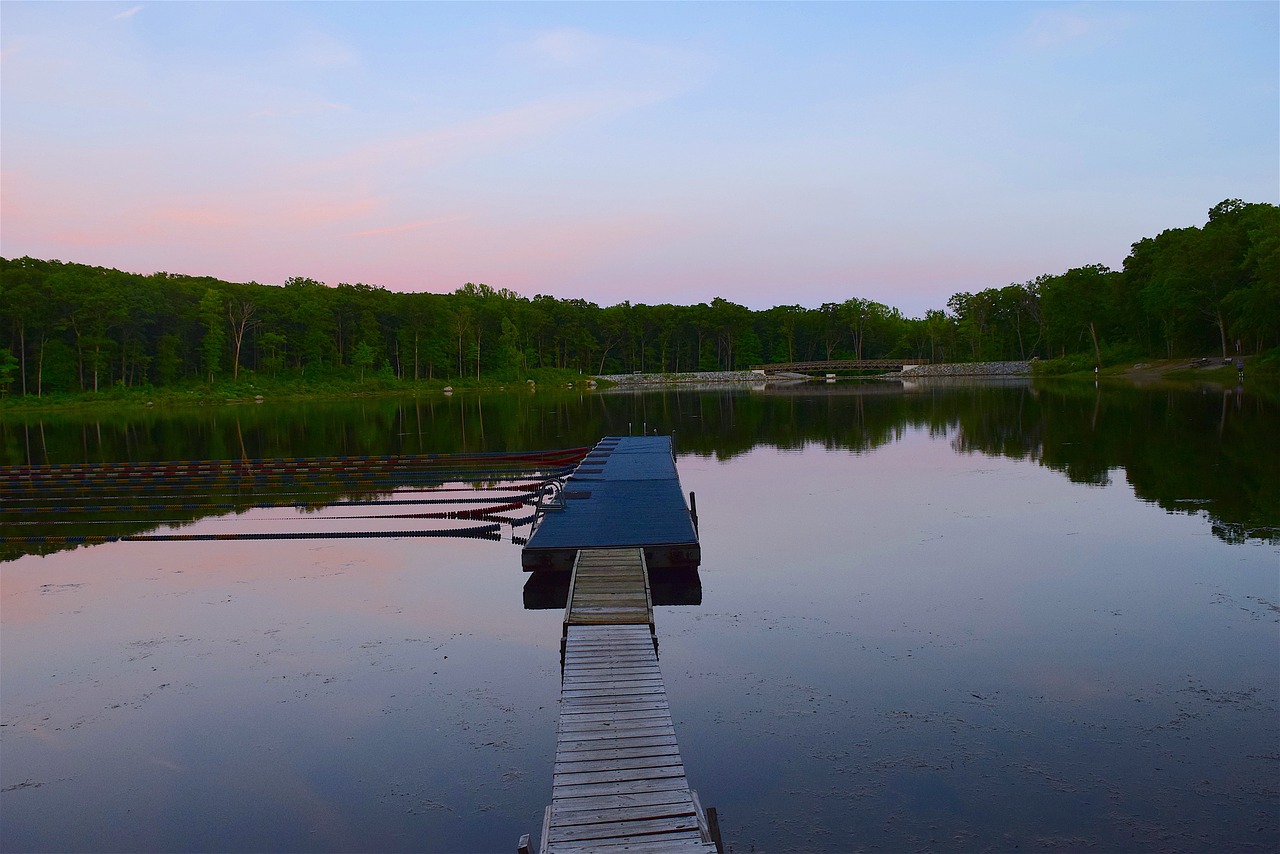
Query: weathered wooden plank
{"x":663,"y":800}
{"x":659,"y":785}
{"x":646,"y":760}
{"x":656,"y":846}
{"x":577,"y":728}
{"x":585,"y":680}
{"x":603,"y":657}
{"x":666,"y":730}
{"x":638,"y":642}
{"x":610,"y":632}
{"x":624,"y":829}
{"x":612,"y":688}
{"x":598,"y":681}
{"x":617,"y":719}
{"x":581,"y":667}
{"x":588,"y":636}
{"x":618,"y":648}
{"x":602,"y":681}
{"x":618,"y":594}
{"x":592,"y":680}
{"x":653,"y":705}
{"x":606,"y":614}
{"x":611,"y":616}
{"x":618,"y":741}
{"x":616,"y":754}
{"x":618,"y":703}
{"x":635,"y":646}
{"x":607,"y":690}
{"x":620,"y":775}
{"x":603,"y":602}
{"x":616,"y":683}
{"x":673,"y":844}
{"x":601,"y":816}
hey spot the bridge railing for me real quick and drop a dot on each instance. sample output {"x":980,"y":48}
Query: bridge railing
{"x":841,"y":365}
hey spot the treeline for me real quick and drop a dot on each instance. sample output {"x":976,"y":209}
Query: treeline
{"x":71,"y":327}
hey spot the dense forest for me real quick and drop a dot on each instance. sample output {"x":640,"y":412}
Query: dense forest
{"x":70,"y":327}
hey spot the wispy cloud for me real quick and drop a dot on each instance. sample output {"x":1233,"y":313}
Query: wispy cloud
{"x":299,"y":109}
{"x":567,"y":46}
{"x":518,"y":125}
{"x":127,"y":13}
{"x":1057,"y":29}
{"x":408,"y":226}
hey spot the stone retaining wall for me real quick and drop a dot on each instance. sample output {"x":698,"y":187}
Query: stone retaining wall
{"x":686,"y":377}
{"x":967,"y":369}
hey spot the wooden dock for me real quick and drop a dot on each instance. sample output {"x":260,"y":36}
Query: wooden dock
{"x":625,"y":493}
{"x":619,"y":783}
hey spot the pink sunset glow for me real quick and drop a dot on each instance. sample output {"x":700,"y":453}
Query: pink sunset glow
{"x":651,"y":153}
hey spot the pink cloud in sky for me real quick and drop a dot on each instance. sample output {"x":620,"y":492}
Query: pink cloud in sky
{"x":400,"y":229}
{"x":777,"y":153}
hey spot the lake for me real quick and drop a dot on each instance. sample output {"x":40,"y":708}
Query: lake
{"x":951,"y":616}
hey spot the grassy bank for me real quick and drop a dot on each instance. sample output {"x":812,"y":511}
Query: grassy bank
{"x":249,"y":388}
{"x":1264,"y":368}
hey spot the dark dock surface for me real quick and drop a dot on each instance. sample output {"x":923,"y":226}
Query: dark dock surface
{"x":619,"y":782}
{"x":624,"y":494}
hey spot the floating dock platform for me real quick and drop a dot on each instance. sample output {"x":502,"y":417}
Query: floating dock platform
{"x":624,"y":494}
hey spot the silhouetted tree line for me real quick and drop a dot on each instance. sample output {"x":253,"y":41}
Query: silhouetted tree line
{"x":71,"y":327}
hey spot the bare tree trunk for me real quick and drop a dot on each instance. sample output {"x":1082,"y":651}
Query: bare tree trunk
{"x":239,"y":313}
{"x":40,"y":371}
{"x":22,"y":351}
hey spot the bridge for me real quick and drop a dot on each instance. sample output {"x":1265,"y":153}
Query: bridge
{"x":832,"y":366}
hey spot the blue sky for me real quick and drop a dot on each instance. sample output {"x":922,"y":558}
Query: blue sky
{"x":768,"y":153}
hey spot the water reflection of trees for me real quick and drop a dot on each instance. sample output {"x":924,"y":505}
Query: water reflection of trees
{"x":1186,"y":451}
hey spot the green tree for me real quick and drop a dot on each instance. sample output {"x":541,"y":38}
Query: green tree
{"x":362,"y":357}
{"x":211,"y":344}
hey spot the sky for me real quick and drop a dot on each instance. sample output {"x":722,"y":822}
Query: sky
{"x":766,"y":153}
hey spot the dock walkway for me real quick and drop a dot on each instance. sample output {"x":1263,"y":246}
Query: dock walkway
{"x":619,"y":782}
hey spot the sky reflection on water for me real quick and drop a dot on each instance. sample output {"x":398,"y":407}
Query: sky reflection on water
{"x":903,"y":645}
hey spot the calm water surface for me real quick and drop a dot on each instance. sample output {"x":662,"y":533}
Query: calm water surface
{"x":956,"y":617}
